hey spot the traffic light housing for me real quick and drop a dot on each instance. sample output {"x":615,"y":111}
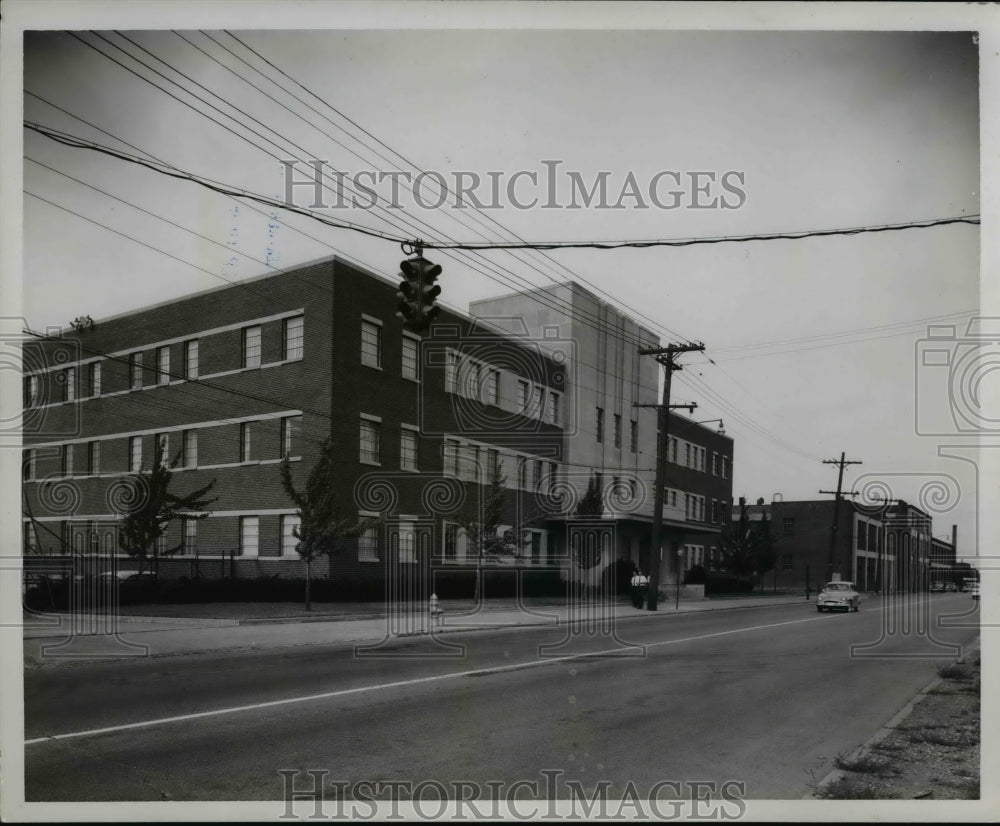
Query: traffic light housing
{"x":417,"y":293}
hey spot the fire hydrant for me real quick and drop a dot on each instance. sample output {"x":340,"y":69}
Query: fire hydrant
{"x":437,"y":614}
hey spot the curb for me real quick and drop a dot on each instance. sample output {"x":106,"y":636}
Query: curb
{"x":889,"y":727}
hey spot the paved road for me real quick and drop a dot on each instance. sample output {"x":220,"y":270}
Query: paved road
{"x":762,"y":696}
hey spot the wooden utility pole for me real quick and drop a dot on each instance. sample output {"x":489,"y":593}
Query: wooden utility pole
{"x":836,"y":507}
{"x":667,"y":357}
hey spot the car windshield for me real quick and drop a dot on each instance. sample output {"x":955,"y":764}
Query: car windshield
{"x":837,"y":586}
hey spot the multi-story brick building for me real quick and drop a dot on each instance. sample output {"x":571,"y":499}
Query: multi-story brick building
{"x":232,"y":380}
{"x":801,"y":535}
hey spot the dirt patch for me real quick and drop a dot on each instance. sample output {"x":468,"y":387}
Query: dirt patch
{"x":931,"y":754}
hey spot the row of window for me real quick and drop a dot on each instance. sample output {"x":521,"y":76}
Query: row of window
{"x":616,"y":431}
{"x":479,"y":381}
{"x":290,"y":439}
{"x":473,"y":462}
{"x":292,"y":349}
{"x":694,"y":456}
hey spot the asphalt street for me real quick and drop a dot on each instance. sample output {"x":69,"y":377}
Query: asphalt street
{"x":766,"y":697}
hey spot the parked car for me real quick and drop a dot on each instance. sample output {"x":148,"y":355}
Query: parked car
{"x":937,"y":587}
{"x":838,"y":595}
{"x":951,"y":587}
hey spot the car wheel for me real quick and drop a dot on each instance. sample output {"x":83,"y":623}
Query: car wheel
{"x":819,"y":608}
{"x":857,"y":607}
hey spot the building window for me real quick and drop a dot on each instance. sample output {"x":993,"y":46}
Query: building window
{"x":163,"y":365}
{"x":673,"y":498}
{"x":69,"y":384}
{"x":189,"y":540}
{"x":288,"y":538}
{"x":787,"y":561}
{"x":633,"y":436}
{"x":94,"y":379}
{"x":552,"y":476}
{"x":191,"y":359}
{"x":725,"y":467}
{"x":294,"y":336}
{"x":537,"y":474}
{"x":135,"y":370}
{"x":410,"y":366}
{"x":163,"y":444}
{"x":673,"y":449}
{"x":249,"y":536}
{"x":687,"y":454}
{"x":371,"y":441}
{"x":28,"y":465}
{"x":407,"y":449}
{"x":451,"y":373}
{"x":523,"y":396}
{"x":94,"y":458}
{"x":450,"y":457}
{"x":554,"y":407}
{"x":473,"y":377}
{"x":251,"y":346}
{"x":245,"y":438}
{"x":788,"y":526}
{"x":135,"y":453}
{"x":492,"y":387}
{"x":600,"y":424}
{"x":31,"y":392}
{"x":190,"y":439}
{"x":407,"y":543}
{"x":371,"y":344}
{"x":470,"y":463}
{"x":492,"y":464}
{"x":617,"y":430}
{"x":450,"y":542}
{"x":368,"y":545}
{"x":67,"y":460}
{"x":862,"y":536}
{"x":291,"y":428}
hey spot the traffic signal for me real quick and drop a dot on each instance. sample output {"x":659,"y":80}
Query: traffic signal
{"x":417,"y":293}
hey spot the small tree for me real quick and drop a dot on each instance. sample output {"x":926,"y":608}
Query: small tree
{"x":154,"y":507}
{"x":321,"y":524}
{"x":482,"y":533}
{"x":592,"y":501}
{"x":747,"y":546}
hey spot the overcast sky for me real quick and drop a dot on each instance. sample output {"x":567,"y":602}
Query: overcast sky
{"x":813,"y":343}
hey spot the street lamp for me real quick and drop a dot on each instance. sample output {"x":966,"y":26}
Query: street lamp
{"x":722,"y":428}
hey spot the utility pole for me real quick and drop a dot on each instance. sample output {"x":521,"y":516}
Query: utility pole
{"x":836,"y":506}
{"x":667,"y":357}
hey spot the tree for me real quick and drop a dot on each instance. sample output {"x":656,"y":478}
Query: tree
{"x":481,"y":533}
{"x":746,"y":546}
{"x":151,"y":507}
{"x":322,"y":527}
{"x":592,"y":501}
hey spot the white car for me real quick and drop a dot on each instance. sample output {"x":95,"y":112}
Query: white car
{"x":841,"y":596}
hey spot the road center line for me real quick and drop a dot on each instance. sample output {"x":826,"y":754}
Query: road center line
{"x":397,"y":684}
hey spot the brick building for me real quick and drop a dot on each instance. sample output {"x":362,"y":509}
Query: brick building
{"x":233,"y":379}
{"x":801,"y":532}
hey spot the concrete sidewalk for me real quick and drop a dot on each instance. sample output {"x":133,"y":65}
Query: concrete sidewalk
{"x":52,"y":639}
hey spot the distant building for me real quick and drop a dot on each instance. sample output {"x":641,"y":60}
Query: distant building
{"x":801,"y":537}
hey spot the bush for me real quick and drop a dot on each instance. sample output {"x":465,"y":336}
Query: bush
{"x":727,"y":585}
{"x":696,"y":575}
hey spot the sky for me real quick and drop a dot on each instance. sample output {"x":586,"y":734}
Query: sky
{"x":812,"y":346}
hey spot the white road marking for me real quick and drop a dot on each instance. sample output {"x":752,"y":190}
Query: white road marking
{"x":397,"y":684}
